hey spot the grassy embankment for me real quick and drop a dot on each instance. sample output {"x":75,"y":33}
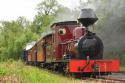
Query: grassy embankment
{"x":28,"y":74}
{"x":122,"y":68}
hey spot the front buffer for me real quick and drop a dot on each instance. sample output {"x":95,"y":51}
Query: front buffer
{"x":88,"y":66}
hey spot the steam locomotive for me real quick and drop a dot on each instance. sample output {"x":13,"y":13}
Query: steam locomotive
{"x":71,"y":47}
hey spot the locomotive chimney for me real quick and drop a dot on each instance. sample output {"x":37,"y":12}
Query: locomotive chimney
{"x":87,"y":17}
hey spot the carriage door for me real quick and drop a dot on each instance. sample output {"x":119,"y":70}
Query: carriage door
{"x":48,"y":48}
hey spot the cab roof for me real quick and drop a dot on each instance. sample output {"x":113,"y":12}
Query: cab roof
{"x":65,"y":23}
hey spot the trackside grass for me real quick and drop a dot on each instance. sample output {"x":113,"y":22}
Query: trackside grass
{"x":122,"y":68}
{"x":16,"y":70}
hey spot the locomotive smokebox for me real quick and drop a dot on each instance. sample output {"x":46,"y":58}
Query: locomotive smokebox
{"x":87,"y":17}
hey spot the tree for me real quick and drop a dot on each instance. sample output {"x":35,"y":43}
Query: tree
{"x":47,"y":7}
{"x":46,"y":14}
{"x":15,"y":34}
{"x":13,"y":37}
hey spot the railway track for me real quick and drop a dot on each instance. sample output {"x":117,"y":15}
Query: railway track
{"x":123,"y":72}
{"x":106,"y":80}
{"x":114,"y":78}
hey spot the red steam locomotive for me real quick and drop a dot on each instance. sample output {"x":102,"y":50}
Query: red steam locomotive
{"x":71,"y":47}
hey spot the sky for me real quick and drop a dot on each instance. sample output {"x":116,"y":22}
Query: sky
{"x":12,"y":9}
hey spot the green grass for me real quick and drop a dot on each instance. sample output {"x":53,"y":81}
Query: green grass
{"x":29,"y":74}
{"x":122,"y":68}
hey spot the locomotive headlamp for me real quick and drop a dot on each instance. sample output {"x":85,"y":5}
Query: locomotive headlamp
{"x":62,"y":31}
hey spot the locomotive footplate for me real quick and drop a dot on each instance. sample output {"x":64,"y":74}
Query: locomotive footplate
{"x":86,"y":66}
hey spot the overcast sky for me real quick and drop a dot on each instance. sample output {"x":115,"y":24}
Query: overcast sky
{"x":12,"y":9}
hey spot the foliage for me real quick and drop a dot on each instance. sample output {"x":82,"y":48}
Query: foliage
{"x":48,"y":7}
{"x":14,"y":36}
{"x":41,"y":23}
{"x":122,"y":68}
{"x":47,"y":11}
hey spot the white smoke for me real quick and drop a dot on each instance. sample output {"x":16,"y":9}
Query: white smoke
{"x":110,"y":26}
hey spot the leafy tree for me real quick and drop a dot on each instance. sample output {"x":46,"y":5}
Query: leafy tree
{"x":15,"y":34}
{"x":13,"y":37}
{"x":47,"y":11}
{"x":48,"y":7}
{"x":41,"y":23}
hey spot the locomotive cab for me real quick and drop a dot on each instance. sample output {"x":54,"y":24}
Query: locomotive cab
{"x":63,"y":39}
